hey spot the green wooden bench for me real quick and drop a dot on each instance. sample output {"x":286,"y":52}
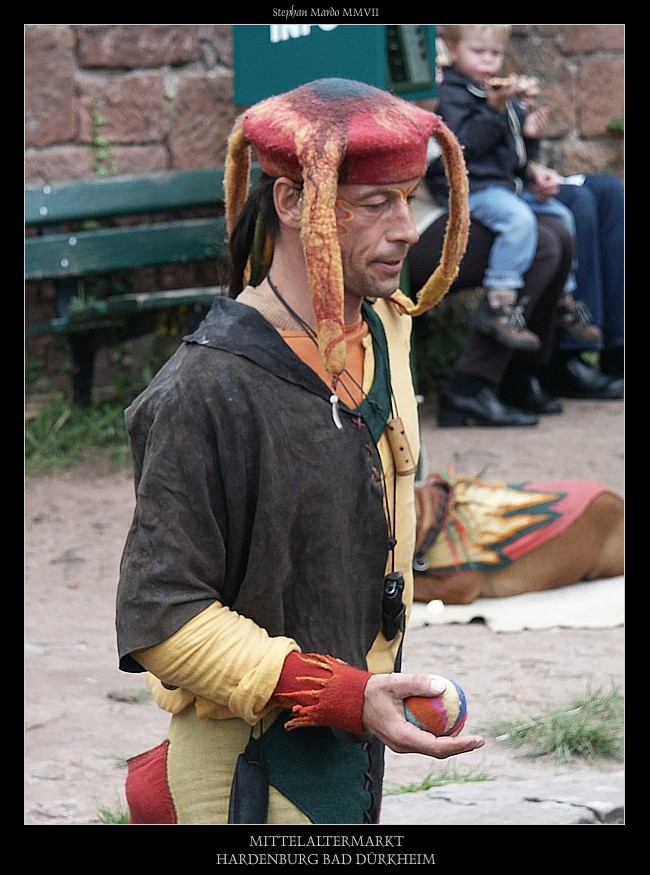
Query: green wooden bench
{"x":78,"y":231}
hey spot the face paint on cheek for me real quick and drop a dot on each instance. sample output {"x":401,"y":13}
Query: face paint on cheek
{"x":344,"y":215}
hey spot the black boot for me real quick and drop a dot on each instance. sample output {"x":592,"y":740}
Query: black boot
{"x":570,"y":377}
{"x":521,"y":388}
{"x":612,"y":362}
{"x":469,"y":401}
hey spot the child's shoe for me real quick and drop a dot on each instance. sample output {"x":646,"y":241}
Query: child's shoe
{"x":506,"y":323}
{"x":574,"y":318}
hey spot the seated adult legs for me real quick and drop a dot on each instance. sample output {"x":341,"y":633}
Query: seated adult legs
{"x":471,"y":395}
{"x":598,"y":207}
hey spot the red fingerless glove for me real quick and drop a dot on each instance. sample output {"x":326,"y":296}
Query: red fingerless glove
{"x":321,"y":691}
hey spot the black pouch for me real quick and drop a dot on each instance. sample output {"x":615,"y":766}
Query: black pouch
{"x":393,"y":610}
{"x":249,"y":793}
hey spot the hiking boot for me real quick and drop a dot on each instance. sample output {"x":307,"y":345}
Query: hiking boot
{"x":506,"y":323}
{"x":574,"y":318}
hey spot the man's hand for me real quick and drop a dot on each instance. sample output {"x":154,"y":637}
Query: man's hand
{"x":383,"y":716}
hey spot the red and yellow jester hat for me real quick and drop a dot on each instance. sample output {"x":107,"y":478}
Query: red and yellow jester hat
{"x":339,"y":130}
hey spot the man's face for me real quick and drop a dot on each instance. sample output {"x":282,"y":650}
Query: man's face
{"x":376,"y":231}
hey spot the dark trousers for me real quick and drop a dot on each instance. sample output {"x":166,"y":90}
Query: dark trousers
{"x":599,"y":210}
{"x":482,"y":356}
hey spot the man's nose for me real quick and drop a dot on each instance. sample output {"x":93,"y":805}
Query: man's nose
{"x":404,"y":227}
{"x":410,"y":233}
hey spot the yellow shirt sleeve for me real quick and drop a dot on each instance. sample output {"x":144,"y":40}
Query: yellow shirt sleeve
{"x":397,"y":326}
{"x":220,"y":660}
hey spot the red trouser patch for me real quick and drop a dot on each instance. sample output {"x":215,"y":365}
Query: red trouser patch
{"x":147,"y":791}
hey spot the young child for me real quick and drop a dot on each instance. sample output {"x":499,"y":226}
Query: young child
{"x":494,"y":120}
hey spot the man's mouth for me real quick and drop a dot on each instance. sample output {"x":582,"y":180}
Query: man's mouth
{"x":390,"y":264}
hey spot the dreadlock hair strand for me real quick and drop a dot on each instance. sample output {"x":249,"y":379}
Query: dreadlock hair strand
{"x":258,"y":213}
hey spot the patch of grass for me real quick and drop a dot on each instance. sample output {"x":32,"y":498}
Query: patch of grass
{"x":134,"y":696}
{"x":120,"y":762}
{"x":591,"y":357}
{"x":617,"y":124}
{"x":141,"y":695}
{"x":590,"y":727}
{"x":117,"y":815}
{"x":449,"y":775}
{"x":62,"y":435}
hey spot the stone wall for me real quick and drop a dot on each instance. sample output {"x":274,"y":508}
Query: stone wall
{"x":581,"y":68}
{"x":165,"y":95}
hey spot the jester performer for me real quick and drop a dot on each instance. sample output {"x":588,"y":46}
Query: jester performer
{"x":267,"y":575}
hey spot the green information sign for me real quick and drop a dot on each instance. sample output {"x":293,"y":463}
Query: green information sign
{"x":270,"y":59}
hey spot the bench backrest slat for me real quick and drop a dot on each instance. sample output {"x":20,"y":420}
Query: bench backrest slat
{"x":122,"y":196}
{"x":118,"y":224}
{"x":108,"y":249}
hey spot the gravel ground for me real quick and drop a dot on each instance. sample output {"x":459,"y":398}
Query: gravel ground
{"x":83,"y":717}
